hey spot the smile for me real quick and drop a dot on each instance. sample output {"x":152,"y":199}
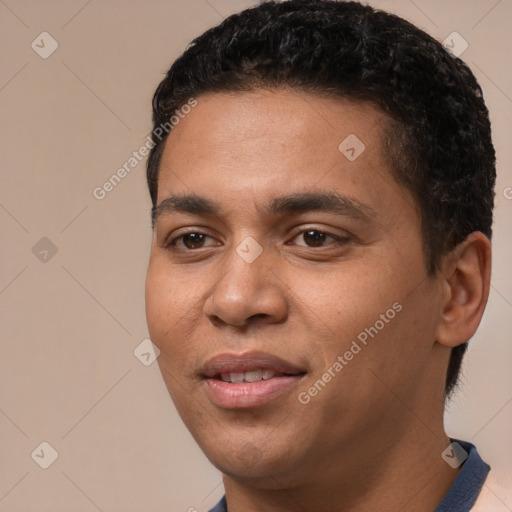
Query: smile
{"x":253,"y":379}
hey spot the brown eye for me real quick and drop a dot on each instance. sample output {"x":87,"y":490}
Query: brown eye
{"x":190,"y":241}
{"x":316,"y":238}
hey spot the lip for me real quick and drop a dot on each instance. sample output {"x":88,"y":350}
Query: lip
{"x":248,"y":394}
{"x":231,"y":363}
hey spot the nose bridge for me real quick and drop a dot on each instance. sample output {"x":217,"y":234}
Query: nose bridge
{"x":249,"y":250}
{"x":246,"y":266}
{"x":248,"y":287}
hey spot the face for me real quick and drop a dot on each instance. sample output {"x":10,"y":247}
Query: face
{"x":288,"y":295}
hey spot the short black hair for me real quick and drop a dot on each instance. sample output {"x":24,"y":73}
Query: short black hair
{"x":438,"y":137}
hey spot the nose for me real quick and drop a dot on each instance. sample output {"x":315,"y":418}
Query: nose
{"x":247,"y":292}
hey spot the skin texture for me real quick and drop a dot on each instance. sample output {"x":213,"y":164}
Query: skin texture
{"x":372,"y":438}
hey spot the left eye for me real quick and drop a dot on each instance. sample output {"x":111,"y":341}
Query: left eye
{"x":317,"y":237}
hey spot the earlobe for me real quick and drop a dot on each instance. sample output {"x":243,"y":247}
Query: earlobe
{"x":467,"y":275}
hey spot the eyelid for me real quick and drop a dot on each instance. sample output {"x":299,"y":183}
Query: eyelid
{"x":326,"y":231}
{"x":193,"y":230}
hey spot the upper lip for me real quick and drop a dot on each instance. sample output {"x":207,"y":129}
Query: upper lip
{"x":240,"y":363}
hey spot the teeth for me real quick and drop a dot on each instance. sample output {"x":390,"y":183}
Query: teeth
{"x":236,"y":377}
{"x":250,"y":376}
{"x":268,"y":374}
{"x":253,"y":376}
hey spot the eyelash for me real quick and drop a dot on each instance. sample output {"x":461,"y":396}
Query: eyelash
{"x":171,"y":245}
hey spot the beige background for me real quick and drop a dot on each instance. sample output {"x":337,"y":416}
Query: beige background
{"x":70,"y":324}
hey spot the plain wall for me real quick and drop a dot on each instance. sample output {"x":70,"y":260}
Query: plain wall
{"x":70,"y":321}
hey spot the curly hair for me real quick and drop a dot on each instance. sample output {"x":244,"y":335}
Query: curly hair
{"x":438,"y":140}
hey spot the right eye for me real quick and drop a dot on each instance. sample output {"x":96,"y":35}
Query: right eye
{"x":189,"y":240}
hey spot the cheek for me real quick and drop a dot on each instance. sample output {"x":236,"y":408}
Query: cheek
{"x":163,"y":309}
{"x":155,"y":300}
{"x":345,"y":302}
{"x":396,"y":346}
{"x":172,"y":312}
{"x":162,"y":318}
{"x":374,"y":322}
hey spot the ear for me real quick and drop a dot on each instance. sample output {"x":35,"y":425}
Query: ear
{"x":466,"y":277}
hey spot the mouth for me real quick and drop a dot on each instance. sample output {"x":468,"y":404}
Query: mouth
{"x":251,"y":376}
{"x":252,"y":379}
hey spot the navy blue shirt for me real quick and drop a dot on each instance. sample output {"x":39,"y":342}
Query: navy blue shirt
{"x":462,"y":494}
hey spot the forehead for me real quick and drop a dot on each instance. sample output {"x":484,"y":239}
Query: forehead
{"x":279,"y":118}
{"x":241,"y":145}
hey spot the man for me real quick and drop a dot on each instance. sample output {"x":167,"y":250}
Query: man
{"x":322,"y":211}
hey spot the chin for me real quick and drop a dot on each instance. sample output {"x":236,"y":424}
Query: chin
{"x":248,"y":462}
{"x":263,"y":475}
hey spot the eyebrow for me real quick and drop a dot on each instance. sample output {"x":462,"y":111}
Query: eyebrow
{"x":301,"y":202}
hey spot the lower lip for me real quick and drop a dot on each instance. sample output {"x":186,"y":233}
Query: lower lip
{"x":249,"y":394}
